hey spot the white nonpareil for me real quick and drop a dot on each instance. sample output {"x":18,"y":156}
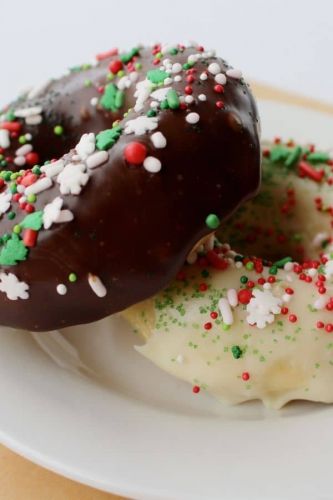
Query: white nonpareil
{"x":262,"y":308}
{"x":13,"y":287}
{"x":158,"y":140}
{"x":4,"y":139}
{"x":141,"y":125}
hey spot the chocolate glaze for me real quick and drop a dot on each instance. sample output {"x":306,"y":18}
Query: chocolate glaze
{"x":131,"y":228}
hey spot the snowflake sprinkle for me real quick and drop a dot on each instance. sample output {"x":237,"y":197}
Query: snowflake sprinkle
{"x":262,"y":308}
{"x":13,"y":287}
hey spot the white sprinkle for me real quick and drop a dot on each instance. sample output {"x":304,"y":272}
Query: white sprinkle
{"x":94,"y":101}
{"x":33,"y":120}
{"x":238,"y":265}
{"x":320,"y":303}
{"x":24,"y":150}
{"x":312,"y":272}
{"x":203,"y":76}
{"x":209,"y":243}
{"x":141,"y":125}
{"x":5,"y":199}
{"x":177,"y":78}
{"x":232,"y":297}
{"x":152,"y":164}
{"x":51,"y":212}
{"x":62,"y":289}
{"x":286,"y":297}
{"x":167,"y":81}
{"x":86,"y":145}
{"x":4,"y":139}
{"x":39,"y":89}
{"x":96,"y":285}
{"x":226,"y":312}
{"x":180,"y":359}
{"x":214,"y":68}
{"x":192,"y":118}
{"x":267,"y":286}
{"x":158,"y":140}
{"x":160,"y":94}
{"x":319,"y":239}
{"x":28,"y":137}
{"x":202,"y":97}
{"x":288,"y":266}
{"x":154,"y":104}
{"x":193,"y":58}
{"x":220,"y":78}
{"x":189,"y":99}
{"x":25,"y":112}
{"x":176,"y":68}
{"x":97,"y":159}
{"x":13,"y":287}
{"x":234,"y":73}
{"x":19,"y":161}
{"x":64,"y":216}
{"x":53,"y":169}
{"x":20,"y":189}
{"x":39,"y":186}
{"x":72,"y":178}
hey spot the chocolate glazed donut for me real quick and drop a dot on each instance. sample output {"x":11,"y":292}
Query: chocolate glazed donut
{"x":163,"y":143}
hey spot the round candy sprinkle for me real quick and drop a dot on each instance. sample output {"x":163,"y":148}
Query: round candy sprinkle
{"x":192,"y":118}
{"x":212,"y":221}
{"x":58,"y":130}
{"x":196,"y":389}
{"x":135,"y":153}
{"x":72,"y":277}
{"x":245,"y":376}
{"x":220,"y":78}
{"x":62,"y":289}
{"x":152,"y":164}
{"x":214,"y":68}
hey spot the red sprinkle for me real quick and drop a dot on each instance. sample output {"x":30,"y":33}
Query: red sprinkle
{"x":213,"y":315}
{"x":245,"y":376}
{"x":30,"y":237}
{"x":115,"y":66}
{"x":135,"y":153}
{"x":244,"y":296}
{"x":219,"y":89}
{"x":219,"y":104}
{"x":32,"y":159}
{"x":208,"y":326}
{"x":196,"y":389}
{"x":11,"y":126}
{"x":305,"y":169}
{"x":203,"y":287}
{"x":292,"y":318}
{"x":105,"y":55}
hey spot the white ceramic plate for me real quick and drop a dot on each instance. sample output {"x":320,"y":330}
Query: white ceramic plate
{"x":114,"y":421}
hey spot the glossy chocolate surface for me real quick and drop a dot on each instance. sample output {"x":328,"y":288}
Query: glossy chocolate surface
{"x":133,"y":229}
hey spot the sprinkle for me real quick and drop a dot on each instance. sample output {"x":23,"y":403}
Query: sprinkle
{"x":97,"y":159}
{"x":192,"y":118}
{"x":33,"y":221}
{"x":51,"y":212}
{"x":19,"y":161}
{"x":53,"y":169}
{"x":226,"y":312}
{"x":236,"y":351}
{"x":212,"y":221}
{"x":72,"y":178}
{"x":13,"y":251}
{"x":141,"y":125}
{"x":234,"y":73}
{"x":262,"y":308}
{"x":202,"y":97}
{"x":72,"y":277}
{"x":196,"y":389}
{"x":232,"y":297}
{"x":86,"y":145}
{"x":39,"y":89}
{"x":58,"y":130}
{"x":96,"y":285}
{"x":176,"y":68}
{"x":33,"y":120}
{"x":307,"y":170}
{"x":203,"y":76}
{"x":214,"y":68}
{"x":220,"y":78}
{"x":282,"y":262}
{"x":28,"y":112}
{"x":189,"y":99}
{"x":23,"y":150}
{"x":5,"y":199}
{"x":157,"y":76}
{"x":13,"y":287}
{"x":244,"y":296}
{"x":172,"y":99}
{"x":158,"y":140}
{"x":135,"y":153}
{"x":39,"y":186}
{"x":245,"y":376}
{"x":4,"y":139}
{"x":152,"y":164}
{"x":30,"y":238}
{"x":61,"y":289}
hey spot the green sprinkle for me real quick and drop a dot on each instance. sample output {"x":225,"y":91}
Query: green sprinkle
{"x":138,"y":65}
{"x":22,"y":139}
{"x":293,"y":157}
{"x":121,"y":73}
{"x":13,"y":187}
{"x":11,"y":215}
{"x":127,"y":57}
{"x":31,"y":198}
{"x":249,"y":266}
{"x":238,"y":258}
{"x":151,"y":112}
{"x":10,"y":116}
{"x":279,"y":153}
{"x":273,"y":270}
{"x":119,"y":99}
{"x":212,"y":221}
{"x":173,"y":99}
{"x":164,"y":104}
{"x":13,"y":251}
{"x":173,"y":51}
{"x":107,"y":138}
{"x":225,"y":327}
{"x":58,"y":130}
{"x":13,"y":176}
{"x":243,"y":279}
{"x":186,"y":66}
{"x":318,"y":157}
{"x":157,"y":76}
{"x":17,"y":229}
{"x":205,"y":273}
{"x":36,"y":170}
{"x":33,"y":221}
{"x":236,"y":351}
{"x":282,"y":262}
{"x":6,"y":237}
{"x":72,"y":277}
{"x":107,"y":100}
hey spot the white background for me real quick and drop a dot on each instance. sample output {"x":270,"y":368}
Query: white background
{"x":285,"y":43}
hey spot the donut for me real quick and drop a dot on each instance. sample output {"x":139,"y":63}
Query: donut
{"x":247,"y":326}
{"x":111,"y":175}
